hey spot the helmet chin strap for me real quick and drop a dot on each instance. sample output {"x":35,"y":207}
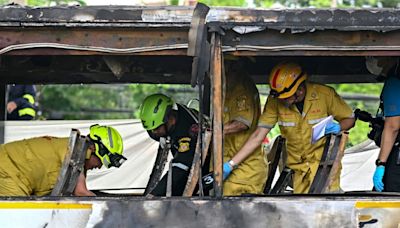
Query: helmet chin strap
{"x":91,"y":149}
{"x":88,"y":153}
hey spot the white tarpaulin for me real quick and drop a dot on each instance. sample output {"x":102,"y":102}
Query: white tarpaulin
{"x":358,"y":162}
{"x":359,"y":166}
{"x":138,"y":148}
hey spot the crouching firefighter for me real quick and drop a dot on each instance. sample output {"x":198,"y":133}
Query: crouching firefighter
{"x":176,"y":127}
{"x":33,"y":166}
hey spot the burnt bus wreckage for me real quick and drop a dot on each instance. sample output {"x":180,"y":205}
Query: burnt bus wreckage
{"x":181,"y":45}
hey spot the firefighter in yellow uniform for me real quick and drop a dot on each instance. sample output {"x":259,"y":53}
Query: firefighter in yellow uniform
{"x":31,"y":166}
{"x":241,"y":112}
{"x":296,"y":106}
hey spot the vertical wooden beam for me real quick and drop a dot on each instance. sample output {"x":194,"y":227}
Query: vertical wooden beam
{"x":217,"y":105}
{"x":3,"y":111}
{"x":338,"y":161}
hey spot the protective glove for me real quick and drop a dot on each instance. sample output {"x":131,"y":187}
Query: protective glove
{"x":332,"y":128}
{"x":227,"y":169}
{"x":378,"y":176}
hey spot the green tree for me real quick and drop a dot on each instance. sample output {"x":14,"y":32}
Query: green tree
{"x":84,"y":101}
{"x":103,"y":101}
{"x":224,"y":2}
{"x":359,"y":132}
{"x":180,"y":93}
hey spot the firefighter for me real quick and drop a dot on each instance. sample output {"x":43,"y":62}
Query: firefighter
{"x":163,"y":118}
{"x":241,"y":112}
{"x":32,"y":166}
{"x":21,"y":102}
{"x":296,"y":105}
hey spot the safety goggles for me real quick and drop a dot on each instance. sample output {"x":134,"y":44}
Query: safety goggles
{"x":276,"y":94}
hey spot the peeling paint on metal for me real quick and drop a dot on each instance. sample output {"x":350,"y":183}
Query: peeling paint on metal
{"x":83,"y":17}
{"x":166,"y":16}
{"x":247,"y":29}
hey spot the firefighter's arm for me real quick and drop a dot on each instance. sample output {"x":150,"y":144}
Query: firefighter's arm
{"x":234,"y":126}
{"x":389,"y":134}
{"x":28,"y":96}
{"x":80,"y":188}
{"x":340,"y":110}
{"x":11,"y":106}
{"x":251,"y":144}
{"x":347,"y":123}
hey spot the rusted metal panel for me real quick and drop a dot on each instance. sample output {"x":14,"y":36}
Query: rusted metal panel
{"x":167,"y":15}
{"x":264,"y":32}
{"x":93,"y":69}
{"x":257,"y":32}
{"x":333,"y":53}
{"x":296,"y":211}
{"x":198,"y":46}
{"x":305,"y":20}
{"x":276,"y":156}
{"x":195,"y":170}
{"x":297,"y":20}
{"x":72,"y":166}
{"x":65,"y":52}
{"x":329,"y":155}
{"x":104,"y":41}
{"x":325,"y":43}
{"x":159,"y":165}
{"x":165,"y":69}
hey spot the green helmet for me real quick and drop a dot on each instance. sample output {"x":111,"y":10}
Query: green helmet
{"x":109,"y":145}
{"x":154,"y":110}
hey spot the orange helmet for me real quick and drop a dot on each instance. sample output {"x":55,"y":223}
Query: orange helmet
{"x":285,"y":78}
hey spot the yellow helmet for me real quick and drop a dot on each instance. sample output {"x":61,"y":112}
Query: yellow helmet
{"x":285,"y":78}
{"x":109,"y":145}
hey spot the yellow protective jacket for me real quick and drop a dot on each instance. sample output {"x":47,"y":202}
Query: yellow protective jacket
{"x":303,"y":157}
{"x":242,"y":103}
{"x":31,"y":166}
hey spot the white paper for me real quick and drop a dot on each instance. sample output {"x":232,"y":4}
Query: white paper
{"x":318,"y":130}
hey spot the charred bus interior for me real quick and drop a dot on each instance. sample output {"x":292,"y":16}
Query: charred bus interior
{"x":169,"y":45}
